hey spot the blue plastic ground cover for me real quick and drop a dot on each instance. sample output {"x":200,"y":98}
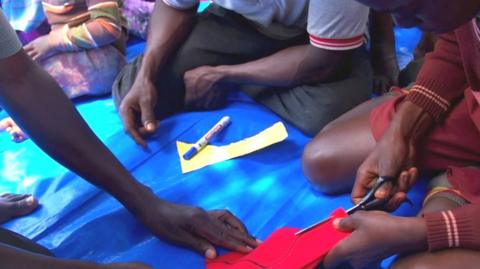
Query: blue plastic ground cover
{"x":266,"y":189}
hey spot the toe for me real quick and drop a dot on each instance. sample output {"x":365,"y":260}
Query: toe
{"x":23,"y":206}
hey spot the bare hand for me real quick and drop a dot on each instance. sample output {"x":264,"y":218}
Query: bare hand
{"x":12,"y":128}
{"x":137,"y":110}
{"x":376,"y":236}
{"x":198,"y":229}
{"x":202,"y":89}
{"x":386,"y":73}
{"x":40,"y":48}
{"x":393,"y":156}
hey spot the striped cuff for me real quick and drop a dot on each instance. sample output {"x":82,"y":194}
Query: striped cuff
{"x":456,"y":228}
{"x":433,"y":103}
{"x":337,"y":44}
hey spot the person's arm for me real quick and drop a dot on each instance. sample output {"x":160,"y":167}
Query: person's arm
{"x":52,"y":122}
{"x":290,"y":67}
{"x":382,"y":52}
{"x":19,"y":259}
{"x":440,"y":82}
{"x":169,"y":26}
{"x":457,"y":228}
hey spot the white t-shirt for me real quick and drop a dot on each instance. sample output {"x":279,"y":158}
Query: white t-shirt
{"x":332,"y":24}
{"x":337,"y":24}
{"x":9,"y":43}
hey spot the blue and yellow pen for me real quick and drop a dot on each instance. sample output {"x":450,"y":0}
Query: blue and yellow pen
{"x":202,"y":142}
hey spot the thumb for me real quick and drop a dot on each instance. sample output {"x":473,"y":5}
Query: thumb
{"x":148,"y":116}
{"x":346,"y":224}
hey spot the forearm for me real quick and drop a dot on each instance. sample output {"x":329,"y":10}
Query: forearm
{"x":168,"y":28}
{"x":11,"y":257}
{"x":40,"y":107}
{"x":411,"y":123}
{"x":288,"y":67}
{"x":383,"y":54}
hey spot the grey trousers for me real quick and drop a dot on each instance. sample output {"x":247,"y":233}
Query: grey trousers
{"x":222,"y":37}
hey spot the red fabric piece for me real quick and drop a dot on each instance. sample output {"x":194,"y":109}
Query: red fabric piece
{"x":284,"y":250}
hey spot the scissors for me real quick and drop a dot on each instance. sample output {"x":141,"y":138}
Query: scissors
{"x":369,"y":202}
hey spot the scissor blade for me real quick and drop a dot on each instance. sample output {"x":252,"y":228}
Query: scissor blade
{"x":313,"y":226}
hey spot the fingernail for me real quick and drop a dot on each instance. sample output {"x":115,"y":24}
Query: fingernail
{"x":210,"y":253}
{"x":150,"y":126}
{"x":336,"y":223}
{"x":249,"y":248}
{"x":259,"y":241}
{"x":30,"y":200}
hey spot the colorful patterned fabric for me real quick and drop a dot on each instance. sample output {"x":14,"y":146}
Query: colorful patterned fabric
{"x":23,"y":15}
{"x":137,"y":13}
{"x":87,"y":72}
{"x":85,"y":24}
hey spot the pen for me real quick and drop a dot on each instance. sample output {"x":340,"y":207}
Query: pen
{"x":202,"y":142}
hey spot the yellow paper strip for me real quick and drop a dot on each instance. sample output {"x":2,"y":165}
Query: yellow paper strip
{"x":215,"y":154}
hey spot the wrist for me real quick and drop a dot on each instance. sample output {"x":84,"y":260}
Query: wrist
{"x":414,"y":232}
{"x":411,"y":122}
{"x":225,"y":73}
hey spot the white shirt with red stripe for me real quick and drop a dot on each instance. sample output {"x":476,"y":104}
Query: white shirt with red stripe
{"x":331,"y":24}
{"x":337,"y":24}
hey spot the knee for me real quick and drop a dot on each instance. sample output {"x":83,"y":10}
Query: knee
{"x":420,"y":261}
{"x":318,"y":163}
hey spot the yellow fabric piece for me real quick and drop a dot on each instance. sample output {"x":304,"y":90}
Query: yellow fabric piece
{"x":215,"y":154}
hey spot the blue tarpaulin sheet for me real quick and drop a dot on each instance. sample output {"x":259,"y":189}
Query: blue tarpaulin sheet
{"x":266,"y":190}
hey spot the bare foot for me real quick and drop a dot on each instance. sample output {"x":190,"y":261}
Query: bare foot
{"x":16,"y":205}
{"x":12,"y":128}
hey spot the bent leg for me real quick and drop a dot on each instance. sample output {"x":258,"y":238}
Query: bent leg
{"x":331,"y":159}
{"x":88,"y":72}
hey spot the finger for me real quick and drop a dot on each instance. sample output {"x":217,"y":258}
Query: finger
{"x":396,"y":201}
{"x":243,"y":234}
{"x":362,"y":185}
{"x":216,"y":233}
{"x":346,"y":224}
{"x":198,"y":244}
{"x":28,"y":47}
{"x":228,"y":218}
{"x":403,"y":181}
{"x":36,"y":56}
{"x":384,"y":191}
{"x":147,"y":114}
{"x":413,"y":176}
{"x":128,"y":118}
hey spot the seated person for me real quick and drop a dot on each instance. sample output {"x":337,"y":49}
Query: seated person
{"x":192,"y":60}
{"x":40,"y":107}
{"x":84,"y":50}
{"x":434,"y":129}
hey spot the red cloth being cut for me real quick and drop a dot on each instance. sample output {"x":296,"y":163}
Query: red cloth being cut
{"x":285,"y":250}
